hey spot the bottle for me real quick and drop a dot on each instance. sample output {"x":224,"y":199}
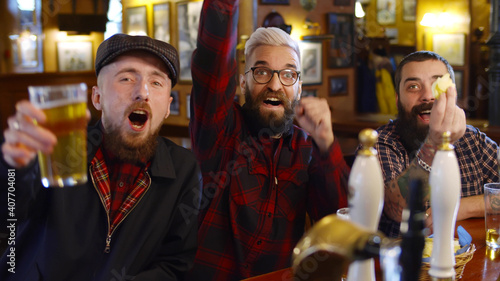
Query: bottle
{"x":366,"y":198}
{"x":445,"y":185}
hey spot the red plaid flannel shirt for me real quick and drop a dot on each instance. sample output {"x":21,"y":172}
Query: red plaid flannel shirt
{"x":257,"y":189}
{"x":122,"y":190}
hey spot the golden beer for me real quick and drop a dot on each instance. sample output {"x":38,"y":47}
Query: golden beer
{"x":65,"y":107}
{"x":492,"y":236}
{"x":67,"y":164}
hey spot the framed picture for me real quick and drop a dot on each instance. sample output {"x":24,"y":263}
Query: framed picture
{"x":309,"y":93}
{"x":386,"y":11}
{"x":275,"y":2}
{"x":409,"y":10}
{"x":337,"y":85}
{"x":450,"y":46}
{"x":136,"y":21}
{"x":342,"y":2}
{"x":311,"y":58}
{"x":341,"y":49}
{"x":459,"y":82}
{"x":161,"y":22}
{"x":74,"y":56}
{"x":175,"y":105}
{"x":188,"y":19}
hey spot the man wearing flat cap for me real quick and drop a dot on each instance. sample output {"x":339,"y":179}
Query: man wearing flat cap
{"x":129,"y":221}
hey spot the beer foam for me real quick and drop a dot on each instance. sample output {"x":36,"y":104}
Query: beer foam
{"x":59,"y":103}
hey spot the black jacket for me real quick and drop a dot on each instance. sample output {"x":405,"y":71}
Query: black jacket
{"x":61,"y":233}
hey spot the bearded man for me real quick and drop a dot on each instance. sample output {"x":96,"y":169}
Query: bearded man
{"x":127,"y":222}
{"x":406,"y":146}
{"x":261,"y":173}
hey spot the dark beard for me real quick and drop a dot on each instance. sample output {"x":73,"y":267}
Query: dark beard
{"x":278,"y":125}
{"x":128,"y":149}
{"x":412,"y":134}
{"x":130,"y":152}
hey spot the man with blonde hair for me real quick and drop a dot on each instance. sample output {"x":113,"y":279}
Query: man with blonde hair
{"x":261,"y":173}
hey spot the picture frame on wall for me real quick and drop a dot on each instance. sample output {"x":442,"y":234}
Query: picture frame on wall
{"x":136,"y":21}
{"x":409,"y":10}
{"x":275,"y":2}
{"x":450,"y":46}
{"x":311,"y":57}
{"x":386,"y":12}
{"x":175,"y":104}
{"x":75,"y":56}
{"x":337,"y":85}
{"x":161,"y":22}
{"x":341,"y":47}
{"x":188,"y":19}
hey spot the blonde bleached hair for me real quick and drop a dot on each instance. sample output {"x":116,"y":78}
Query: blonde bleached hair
{"x":270,"y":36}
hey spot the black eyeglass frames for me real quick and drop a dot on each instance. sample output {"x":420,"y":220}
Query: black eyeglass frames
{"x":263,"y":75}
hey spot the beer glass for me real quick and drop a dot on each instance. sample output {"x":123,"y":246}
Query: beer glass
{"x":65,"y":107}
{"x":492,"y":214}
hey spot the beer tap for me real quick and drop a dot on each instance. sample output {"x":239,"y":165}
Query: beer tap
{"x":366,"y":195}
{"x":445,"y":186}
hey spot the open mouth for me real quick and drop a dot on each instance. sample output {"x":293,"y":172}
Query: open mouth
{"x":138,"y":119}
{"x":273,"y":101}
{"x":425,"y":115}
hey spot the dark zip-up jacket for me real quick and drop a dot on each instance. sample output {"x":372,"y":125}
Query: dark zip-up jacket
{"x":60,"y":233}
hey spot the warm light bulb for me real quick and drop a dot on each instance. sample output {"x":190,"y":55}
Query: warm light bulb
{"x":429,"y":19}
{"x":358,"y":10}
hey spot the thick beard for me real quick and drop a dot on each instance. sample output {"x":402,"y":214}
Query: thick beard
{"x":279,"y":125}
{"x":129,"y":148}
{"x":412,"y":134}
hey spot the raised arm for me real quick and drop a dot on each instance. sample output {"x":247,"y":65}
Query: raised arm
{"x":214,"y":76}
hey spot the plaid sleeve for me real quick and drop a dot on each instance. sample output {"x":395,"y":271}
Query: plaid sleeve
{"x":328,"y":185}
{"x":213,"y":70}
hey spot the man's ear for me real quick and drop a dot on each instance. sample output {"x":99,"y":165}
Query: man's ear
{"x":243,"y":83}
{"x":299,"y":90}
{"x":96,"y":98}
{"x":168,"y":107}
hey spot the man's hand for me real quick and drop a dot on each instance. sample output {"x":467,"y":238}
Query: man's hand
{"x":314,"y":116}
{"x":23,"y":137}
{"x":446,"y":116}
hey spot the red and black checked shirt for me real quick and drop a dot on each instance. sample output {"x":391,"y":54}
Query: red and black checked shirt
{"x":120,"y":185}
{"x":476,"y":155}
{"x":257,"y":190}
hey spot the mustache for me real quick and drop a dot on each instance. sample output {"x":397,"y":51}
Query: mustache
{"x":280,"y":95}
{"x":138,"y":105}
{"x":421,"y":107}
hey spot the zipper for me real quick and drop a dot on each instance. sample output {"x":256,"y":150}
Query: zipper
{"x":107,"y":248}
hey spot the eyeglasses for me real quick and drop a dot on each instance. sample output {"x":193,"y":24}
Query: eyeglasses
{"x":262,"y":75}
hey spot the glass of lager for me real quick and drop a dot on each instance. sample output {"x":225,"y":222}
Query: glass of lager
{"x":65,"y":107}
{"x":492,"y":214}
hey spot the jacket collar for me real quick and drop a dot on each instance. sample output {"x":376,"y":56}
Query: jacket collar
{"x":162,"y":164}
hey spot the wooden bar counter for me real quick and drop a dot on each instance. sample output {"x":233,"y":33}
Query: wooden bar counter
{"x":484,"y":266}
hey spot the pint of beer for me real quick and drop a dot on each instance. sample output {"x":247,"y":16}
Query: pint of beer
{"x":65,"y":107}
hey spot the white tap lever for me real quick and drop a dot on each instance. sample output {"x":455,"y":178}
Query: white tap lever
{"x":366,"y":198}
{"x":445,"y":186}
